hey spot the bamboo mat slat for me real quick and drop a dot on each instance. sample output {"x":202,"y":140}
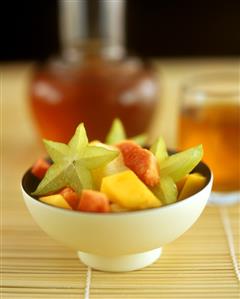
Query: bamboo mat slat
{"x":195,"y":266}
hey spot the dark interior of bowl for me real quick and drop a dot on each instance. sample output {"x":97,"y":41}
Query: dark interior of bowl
{"x":30,"y":182}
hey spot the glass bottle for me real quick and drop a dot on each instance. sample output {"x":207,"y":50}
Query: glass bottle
{"x":93,"y":81}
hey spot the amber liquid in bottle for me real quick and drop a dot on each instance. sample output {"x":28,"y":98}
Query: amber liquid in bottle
{"x":94,"y":92}
{"x":217,"y":127}
{"x":93,"y":81}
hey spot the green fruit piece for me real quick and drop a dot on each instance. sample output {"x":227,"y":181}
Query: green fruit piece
{"x":117,"y":132}
{"x":180,"y":164}
{"x":72,"y":163}
{"x":159,"y":150}
{"x":166,"y":191}
{"x":56,"y":150}
{"x":140,"y":139}
{"x":79,"y":141}
{"x":95,"y":156}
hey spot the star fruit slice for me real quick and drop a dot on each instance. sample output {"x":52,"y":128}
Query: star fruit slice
{"x":117,"y":133}
{"x":159,"y":150}
{"x":178,"y":165}
{"x":173,"y":168}
{"x":72,"y":163}
{"x":166,"y":190}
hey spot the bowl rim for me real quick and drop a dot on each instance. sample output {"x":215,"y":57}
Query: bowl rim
{"x":123,"y":213}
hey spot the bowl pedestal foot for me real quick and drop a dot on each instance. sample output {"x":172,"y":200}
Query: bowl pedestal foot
{"x":121,"y":263}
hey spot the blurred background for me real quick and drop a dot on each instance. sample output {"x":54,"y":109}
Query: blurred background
{"x":164,"y":28}
{"x":167,"y":68}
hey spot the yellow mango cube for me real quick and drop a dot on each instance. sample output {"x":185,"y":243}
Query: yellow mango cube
{"x":193,"y":183}
{"x":115,"y":166}
{"x":56,"y":200}
{"x":128,"y":191}
{"x":181,"y":183}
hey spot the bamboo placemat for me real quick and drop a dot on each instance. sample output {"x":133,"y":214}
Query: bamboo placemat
{"x":197,"y":265}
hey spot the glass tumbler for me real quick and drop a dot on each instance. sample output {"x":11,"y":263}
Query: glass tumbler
{"x":210,"y":115}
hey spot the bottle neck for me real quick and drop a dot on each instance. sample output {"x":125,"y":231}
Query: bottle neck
{"x":92,"y":26}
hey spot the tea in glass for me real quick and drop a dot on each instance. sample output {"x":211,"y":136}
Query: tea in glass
{"x":210,"y":115}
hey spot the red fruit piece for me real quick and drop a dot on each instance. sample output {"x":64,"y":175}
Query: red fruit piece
{"x":140,"y":161}
{"x":71,"y":197}
{"x":93,"y":201}
{"x":40,"y":168}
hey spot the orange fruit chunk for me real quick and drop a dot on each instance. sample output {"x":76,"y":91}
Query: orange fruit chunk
{"x":93,"y":201}
{"x":141,"y":161}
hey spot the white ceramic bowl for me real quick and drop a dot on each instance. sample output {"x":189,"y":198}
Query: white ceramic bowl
{"x":118,"y":241}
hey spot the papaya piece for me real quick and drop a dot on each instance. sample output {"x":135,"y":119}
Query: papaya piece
{"x":70,"y":196}
{"x":141,"y":161}
{"x":40,"y":168}
{"x":93,"y":201}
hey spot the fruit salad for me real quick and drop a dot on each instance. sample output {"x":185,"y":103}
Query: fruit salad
{"x":117,"y":175}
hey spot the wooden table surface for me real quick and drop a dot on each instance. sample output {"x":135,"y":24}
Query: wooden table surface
{"x":197,"y":265}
